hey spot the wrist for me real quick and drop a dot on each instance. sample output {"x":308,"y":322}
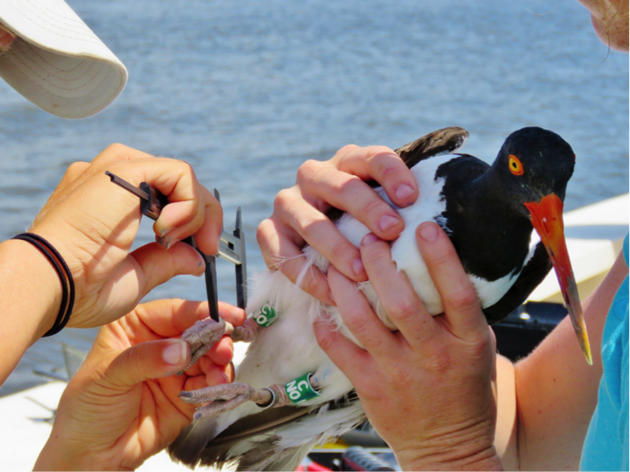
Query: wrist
{"x":64,"y":452}
{"x":33,"y":285}
{"x":457,"y":460}
{"x":50,"y":458}
{"x":462,"y":450}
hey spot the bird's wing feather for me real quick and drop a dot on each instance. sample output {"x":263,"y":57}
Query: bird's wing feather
{"x":192,"y":446}
{"x":532,"y":274}
{"x":274,"y":439}
{"x":442,"y":141}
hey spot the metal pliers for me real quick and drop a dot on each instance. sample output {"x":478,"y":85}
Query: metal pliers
{"x":231,"y":246}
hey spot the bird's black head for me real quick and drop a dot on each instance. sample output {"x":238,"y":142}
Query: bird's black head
{"x":532,"y":164}
{"x":533,"y":168}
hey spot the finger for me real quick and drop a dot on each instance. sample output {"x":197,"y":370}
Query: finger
{"x":196,"y":382}
{"x":400,"y":301}
{"x":150,"y":360}
{"x":173,"y":178}
{"x":164,"y":318}
{"x":231,"y":313}
{"x":169,"y":318}
{"x":319,"y":232}
{"x":207,"y":237}
{"x":202,"y":217}
{"x":215,"y":374}
{"x":459,"y":298}
{"x":383,"y":165}
{"x":350,"y":358}
{"x":281,"y":253}
{"x":222,"y":352}
{"x":349,"y":193}
{"x":359,"y":318}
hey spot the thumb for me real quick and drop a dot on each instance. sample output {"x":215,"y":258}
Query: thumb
{"x":149,"y":360}
{"x":159,"y":265}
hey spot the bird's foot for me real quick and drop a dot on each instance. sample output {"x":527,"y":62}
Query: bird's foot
{"x":202,"y":336}
{"x":226,"y":397}
{"x":206,"y":333}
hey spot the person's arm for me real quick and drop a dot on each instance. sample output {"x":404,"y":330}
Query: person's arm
{"x":92,"y":223}
{"x":555,"y":390}
{"x":121,"y":406}
{"x":31,"y":294}
{"x":299,"y":215}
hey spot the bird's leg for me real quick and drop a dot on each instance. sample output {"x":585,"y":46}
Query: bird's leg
{"x":246,"y":332}
{"x":206,"y":333}
{"x":226,"y":397}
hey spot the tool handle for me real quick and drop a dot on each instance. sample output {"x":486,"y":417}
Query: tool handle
{"x":152,"y":207}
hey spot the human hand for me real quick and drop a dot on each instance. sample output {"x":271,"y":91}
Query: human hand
{"x":428,"y":389}
{"x":121,"y":406}
{"x":299,"y":215}
{"x":93,"y":223}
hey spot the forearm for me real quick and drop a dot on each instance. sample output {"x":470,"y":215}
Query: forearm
{"x":556,"y":390}
{"x":31,"y":293}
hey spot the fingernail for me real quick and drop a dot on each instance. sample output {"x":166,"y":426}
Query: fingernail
{"x":176,"y":353}
{"x":369,"y":239}
{"x":403,"y":192}
{"x":170,"y":243}
{"x":357,"y":266}
{"x":428,"y":231}
{"x":164,"y":232}
{"x":387,"y":222}
{"x":225,"y":379}
{"x":201,"y":263}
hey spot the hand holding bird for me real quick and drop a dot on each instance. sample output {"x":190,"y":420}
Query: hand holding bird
{"x":430,"y":364}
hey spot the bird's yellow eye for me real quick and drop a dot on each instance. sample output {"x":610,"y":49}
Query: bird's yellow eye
{"x":515,"y":165}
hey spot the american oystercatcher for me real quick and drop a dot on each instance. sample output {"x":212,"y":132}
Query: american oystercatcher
{"x":288,"y":396}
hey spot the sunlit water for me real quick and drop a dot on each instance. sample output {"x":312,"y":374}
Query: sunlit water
{"x":246,"y":91}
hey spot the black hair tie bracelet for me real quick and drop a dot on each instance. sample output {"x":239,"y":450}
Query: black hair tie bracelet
{"x":65,"y":276}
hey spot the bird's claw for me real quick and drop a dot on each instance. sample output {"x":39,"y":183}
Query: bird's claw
{"x":226,"y":397}
{"x":202,"y":336}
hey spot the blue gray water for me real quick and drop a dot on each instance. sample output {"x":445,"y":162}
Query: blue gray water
{"x":247,"y":90}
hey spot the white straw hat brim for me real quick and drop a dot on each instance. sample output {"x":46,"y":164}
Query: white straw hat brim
{"x":56,"y":61}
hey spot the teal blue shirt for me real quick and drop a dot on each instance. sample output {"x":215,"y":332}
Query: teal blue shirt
{"x":606,"y":444}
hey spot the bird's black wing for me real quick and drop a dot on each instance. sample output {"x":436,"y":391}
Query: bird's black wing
{"x":442,"y":141}
{"x":532,"y":274}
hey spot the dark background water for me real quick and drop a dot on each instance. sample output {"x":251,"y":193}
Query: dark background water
{"x":248,"y":90}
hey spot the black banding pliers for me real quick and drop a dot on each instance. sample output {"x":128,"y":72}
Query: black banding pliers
{"x":231,"y":246}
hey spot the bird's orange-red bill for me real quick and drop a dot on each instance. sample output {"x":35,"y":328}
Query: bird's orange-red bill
{"x":547,"y":220}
